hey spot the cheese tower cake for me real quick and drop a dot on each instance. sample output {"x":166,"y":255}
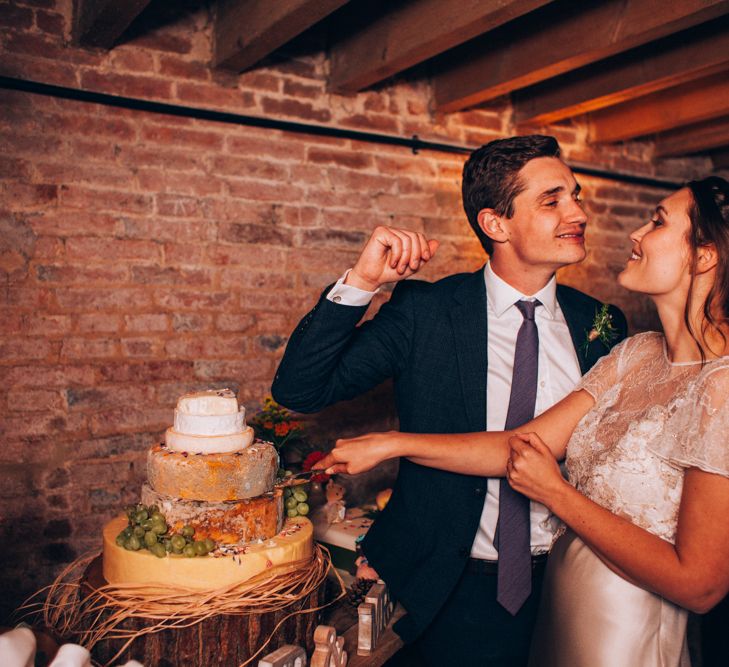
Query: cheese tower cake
{"x":212,"y":476}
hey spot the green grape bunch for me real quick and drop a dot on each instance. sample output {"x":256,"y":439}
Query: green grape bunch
{"x":147,"y":529}
{"x":295,"y":502}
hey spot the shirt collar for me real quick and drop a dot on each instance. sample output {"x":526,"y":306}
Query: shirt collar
{"x":501,"y":295}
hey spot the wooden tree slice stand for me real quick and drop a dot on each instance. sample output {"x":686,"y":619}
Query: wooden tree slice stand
{"x":224,"y":640}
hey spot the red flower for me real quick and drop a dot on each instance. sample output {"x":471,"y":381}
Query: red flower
{"x":281,"y":429}
{"x":308,"y":464}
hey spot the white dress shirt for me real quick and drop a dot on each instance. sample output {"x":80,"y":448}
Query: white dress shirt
{"x":558,"y":373}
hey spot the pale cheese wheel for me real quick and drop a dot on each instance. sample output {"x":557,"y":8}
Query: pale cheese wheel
{"x":210,"y":402}
{"x":233,"y":522}
{"x":287,"y":551}
{"x":187,"y":424}
{"x":208,"y":444}
{"x":214,"y":477}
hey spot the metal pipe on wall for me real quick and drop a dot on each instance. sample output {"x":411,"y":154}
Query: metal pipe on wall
{"x":414,"y":143}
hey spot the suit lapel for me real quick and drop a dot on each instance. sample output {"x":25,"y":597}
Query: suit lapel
{"x":579,"y":322}
{"x":469,"y":322}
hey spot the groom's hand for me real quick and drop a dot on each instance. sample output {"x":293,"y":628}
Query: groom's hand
{"x":390,"y":255}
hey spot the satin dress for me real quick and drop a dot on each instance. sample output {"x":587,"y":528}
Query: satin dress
{"x":652,"y":419}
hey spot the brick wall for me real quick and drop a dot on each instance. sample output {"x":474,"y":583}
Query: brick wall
{"x":143,"y":256}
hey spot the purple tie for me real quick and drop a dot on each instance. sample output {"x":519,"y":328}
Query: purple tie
{"x":512,"y":539}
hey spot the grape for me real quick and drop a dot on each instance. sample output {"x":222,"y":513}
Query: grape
{"x":159,"y":528}
{"x":302,"y":509}
{"x":291,"y":503}
{"x":209,"y":544}
{"x":291,"y":513}
{"x":140,"y":516}
{"x":130,"y":511}
{"x":178,"y":543}
{"x":128,"y":531}
{"x":158,"y":550}
{"x":187,"y":531}
{"x":150,"y":538}
{"x":147,"y":524}
{"x":157,"y":517}
{"x":120,"y":539}
{"x":168,"y":545}
{"x":200,"y":548}
{"x":300,"y":495}
{"x":287,"y":492}
{"x":153,"y":509}
{"x":189,"y":551}
{"x":133,"y":543}
{"x":138,"y":531}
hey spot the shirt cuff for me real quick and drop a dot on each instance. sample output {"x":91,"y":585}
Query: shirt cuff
{"x":348,"y":295}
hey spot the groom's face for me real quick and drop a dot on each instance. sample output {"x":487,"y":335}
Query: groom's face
{"x":547,"y":229}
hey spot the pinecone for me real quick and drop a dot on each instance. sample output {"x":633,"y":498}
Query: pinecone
{"x":358,"y":590}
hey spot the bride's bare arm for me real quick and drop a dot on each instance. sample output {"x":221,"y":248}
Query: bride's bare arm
{"x":483,"y":453}
{"x":693,"y":573}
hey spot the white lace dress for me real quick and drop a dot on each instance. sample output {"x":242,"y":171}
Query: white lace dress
{"x":651,"y":420}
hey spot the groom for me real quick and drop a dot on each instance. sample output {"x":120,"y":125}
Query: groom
{"x":467,"y":570}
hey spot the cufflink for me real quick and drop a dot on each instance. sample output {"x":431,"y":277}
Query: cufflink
{"x":337,"y":299}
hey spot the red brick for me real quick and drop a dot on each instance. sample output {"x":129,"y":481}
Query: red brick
{"x":157,"y":275}
{"x":298,"y":89}
{"x":243,"y":278}
{"x":98,"y":323}
{"x":147,"y":322}
{"x":242,"y":370}
{"x":60,"y":222}
{"x":260,"y":81}
{"x":292,"y":107}
{"x":131,"y":59}
{"x":40,"y":425}
{"x":37,"y":375}
{"x":193,"y":300}
{"x":178,"y":206}
{"x":16,"y":18}
{"x":148,"y":371}
{"x":118,"y":299}
{"x":334,"y":238}
{"x":35,"y":401}
{"x":81,"y":275}
{"x":89,"y":348}
{"x":19,"y":349}
{"x":249,"y":255}
{"x":49,"y":325}
{"x":238,"y":322}
{"x":11,"y":167}
{"x":189,"y":183}
{"x":99,"y":249}
{"x":258,"y":146}
{"x":263,"y":191}
{"x":126,"y":84}
{"x":39,"y":45}
{"x":181,"y":231}
{"x":263,"y":169}
{"x":177,"y":254}
{"x":376,"y":122}
{"x":26,"y":195}
{"x":351,"y":160}
{"x":256,"y":234}
{"x":208,"y":96}
{"x":50,"y":22}
{"x":142,"y":347}
{"x":163,"y":42}
{"x":66,"y":173}
{"x":169,"y":157}
{"x":77,"y":196}
{"x":175,"y":136}
{"x":183,"y":69}
{"x":19,"y":142}
{"x":192,"y":322}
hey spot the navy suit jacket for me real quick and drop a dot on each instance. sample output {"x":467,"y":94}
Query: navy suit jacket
{"x":431,"y":338}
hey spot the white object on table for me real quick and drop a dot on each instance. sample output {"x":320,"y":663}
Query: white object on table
{"x":17,"y":648}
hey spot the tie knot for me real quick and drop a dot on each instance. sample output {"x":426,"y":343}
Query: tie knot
{"x":527,"y":308}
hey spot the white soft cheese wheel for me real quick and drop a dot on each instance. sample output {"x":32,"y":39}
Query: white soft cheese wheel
{"x":210,"y":424}
{"x":208,"y":444}
{"x":210,"y":402}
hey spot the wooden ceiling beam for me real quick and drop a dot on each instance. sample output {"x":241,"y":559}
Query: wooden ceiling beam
{"x":694,"y":102}
{"x":556,"y":39}
{"x":693,"y":139}
{"x":100,"y":23}
{"x":414,"y":32}
{"x":245,"y":31}
{"x":664,"y":64}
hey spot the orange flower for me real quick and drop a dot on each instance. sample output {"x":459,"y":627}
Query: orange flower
{"x":282,"y":429}
{"x":268,"y":425}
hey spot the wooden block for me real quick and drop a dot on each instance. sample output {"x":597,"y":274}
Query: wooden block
{"x":366,"y":639}
{"x":329,"y":649}
{"x":286,"y":656}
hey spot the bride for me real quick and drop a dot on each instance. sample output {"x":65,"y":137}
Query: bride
{"x":645,"y":438}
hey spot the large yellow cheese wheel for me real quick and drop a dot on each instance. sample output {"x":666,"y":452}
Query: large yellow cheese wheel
{"x":293,"y":544}
{"x":215,"y":477}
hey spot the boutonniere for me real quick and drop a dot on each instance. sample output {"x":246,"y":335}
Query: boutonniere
{"x":603,"y":329}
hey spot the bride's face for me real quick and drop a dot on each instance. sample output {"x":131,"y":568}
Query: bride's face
{"x":660,"y":260}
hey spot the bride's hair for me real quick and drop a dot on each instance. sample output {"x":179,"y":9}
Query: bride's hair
{"x":709,"y":215}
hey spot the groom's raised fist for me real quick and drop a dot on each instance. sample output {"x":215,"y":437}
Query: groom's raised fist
{"x":390,"y":255}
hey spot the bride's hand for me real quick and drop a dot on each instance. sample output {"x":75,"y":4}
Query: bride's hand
{"x":360,"y":454}
{"x":532,"y":468}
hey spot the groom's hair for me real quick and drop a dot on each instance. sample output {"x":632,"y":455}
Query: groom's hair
{"x":491,"y":176}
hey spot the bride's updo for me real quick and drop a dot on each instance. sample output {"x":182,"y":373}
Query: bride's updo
{"x":709,"y":215}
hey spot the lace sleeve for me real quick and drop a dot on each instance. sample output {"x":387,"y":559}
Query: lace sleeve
{"x":699,"y":434}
